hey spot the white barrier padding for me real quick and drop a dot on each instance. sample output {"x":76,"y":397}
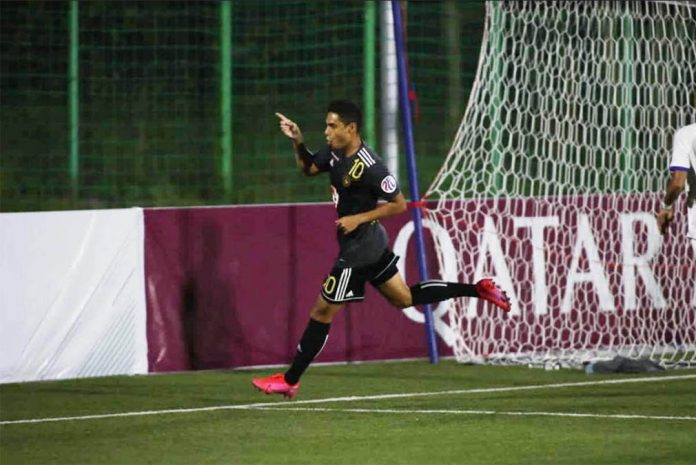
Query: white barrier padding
{"x":72,"y":294}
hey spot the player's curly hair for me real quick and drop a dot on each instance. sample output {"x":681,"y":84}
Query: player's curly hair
{"x":347,"y":111}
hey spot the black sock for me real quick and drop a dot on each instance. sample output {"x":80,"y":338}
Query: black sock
{"x":429,"y":292}
{"x":313,"y":340}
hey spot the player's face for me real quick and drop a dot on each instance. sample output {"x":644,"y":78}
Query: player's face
{"x":338,"y":134}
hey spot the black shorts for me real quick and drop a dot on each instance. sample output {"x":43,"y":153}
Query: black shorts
{"x":348,"y":284}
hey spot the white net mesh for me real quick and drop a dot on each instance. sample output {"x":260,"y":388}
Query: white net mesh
{"x":554,"y":178}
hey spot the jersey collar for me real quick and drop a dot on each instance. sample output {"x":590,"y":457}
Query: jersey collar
{"x":362,"y":145}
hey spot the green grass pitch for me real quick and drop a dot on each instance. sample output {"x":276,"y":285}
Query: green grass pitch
{"x":375,"y":413}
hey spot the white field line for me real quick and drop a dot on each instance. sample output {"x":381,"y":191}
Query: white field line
{"x":477,"y":412}
{"x":351,"y":399}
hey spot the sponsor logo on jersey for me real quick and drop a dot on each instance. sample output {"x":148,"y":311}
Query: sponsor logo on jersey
{"x":388,"y":184}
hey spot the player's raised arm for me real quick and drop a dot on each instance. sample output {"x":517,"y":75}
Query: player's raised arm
{"x":303,"y":156}
{"x":290,"y":128}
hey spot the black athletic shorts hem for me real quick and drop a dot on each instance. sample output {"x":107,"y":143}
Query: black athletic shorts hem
{"x":345,"y":300}
{"x":348,"y":284}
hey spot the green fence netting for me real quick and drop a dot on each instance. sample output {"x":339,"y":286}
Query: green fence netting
{"x":117,"y":104}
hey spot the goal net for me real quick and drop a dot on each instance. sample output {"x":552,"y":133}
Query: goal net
{"x":554,"y":178}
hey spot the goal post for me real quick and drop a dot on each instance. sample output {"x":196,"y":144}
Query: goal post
{"x":554,"y":177}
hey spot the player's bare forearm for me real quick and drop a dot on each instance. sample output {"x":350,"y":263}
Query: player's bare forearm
{"x":394,"y":207}
{"x":675,"y":187}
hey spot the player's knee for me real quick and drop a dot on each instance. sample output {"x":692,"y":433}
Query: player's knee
{"x":320,"y":313}
{"x":402,"y":301}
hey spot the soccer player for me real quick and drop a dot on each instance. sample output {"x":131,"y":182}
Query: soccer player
{"x":683,"y":168}
{"x":358,"y":180}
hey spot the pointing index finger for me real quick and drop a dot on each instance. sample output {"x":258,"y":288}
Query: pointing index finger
{"x":281,"y":116}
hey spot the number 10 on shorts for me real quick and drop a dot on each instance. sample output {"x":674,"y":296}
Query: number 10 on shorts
{"x":330,"y":285}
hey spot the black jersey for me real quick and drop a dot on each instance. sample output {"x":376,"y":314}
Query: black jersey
{"x":358,"y":182}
